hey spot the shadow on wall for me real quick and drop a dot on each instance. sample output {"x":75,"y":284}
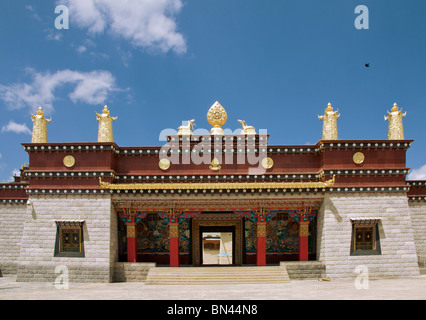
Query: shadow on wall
{"x":333,"y":209}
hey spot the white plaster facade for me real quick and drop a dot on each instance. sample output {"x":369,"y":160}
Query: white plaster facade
{"x":28,"y":234}
{"x":35,"y":255}
{"x":398,"y":250}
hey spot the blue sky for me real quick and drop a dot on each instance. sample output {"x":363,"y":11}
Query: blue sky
{"x":274,"y":63}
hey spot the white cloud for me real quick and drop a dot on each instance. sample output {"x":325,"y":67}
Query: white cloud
{"x":418,"y":174}
{"x":12,"y":126}
{"x":34,"y":14}
{"x":81,"y":49}
{"x":89,"y":87}
{"x":53,"y":34}
{"x":148,"y":24}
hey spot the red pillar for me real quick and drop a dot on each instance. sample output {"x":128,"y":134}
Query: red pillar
{"x":174,"y":244}
{"x":131,"y":242}
{"x":261,"y":242}
{"x":303,"y":240}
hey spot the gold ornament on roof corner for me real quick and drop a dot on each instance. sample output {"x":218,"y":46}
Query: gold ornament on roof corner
{"x":39,"y":127}
{"x":329,"y":128}
{"x":105,"y":126}
{"x":186,"y":130}
{"x":247,"y":129}
{"x":396,"y":130}
{"x":217,"y":117}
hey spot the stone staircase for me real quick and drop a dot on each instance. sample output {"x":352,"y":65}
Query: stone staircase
{"x":216,"y":275}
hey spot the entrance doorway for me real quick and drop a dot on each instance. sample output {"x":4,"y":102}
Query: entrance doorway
{"x":217,"y":245}
{"x":217,"y":239}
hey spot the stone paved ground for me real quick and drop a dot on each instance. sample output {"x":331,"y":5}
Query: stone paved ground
{"x":413,"y":288}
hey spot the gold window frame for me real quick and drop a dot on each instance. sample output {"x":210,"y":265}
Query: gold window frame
{"x":364,"y":228}
{"x":365,"y":225}
{"x":62,"y":230}
{"x":70,"y":226}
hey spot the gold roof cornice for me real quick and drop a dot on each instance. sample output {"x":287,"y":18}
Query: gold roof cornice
{"x":217,"y":186}
{"x":240,"y":204}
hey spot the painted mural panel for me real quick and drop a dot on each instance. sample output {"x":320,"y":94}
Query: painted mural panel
{"x":153,"y":236}
{"x":282,"y":235}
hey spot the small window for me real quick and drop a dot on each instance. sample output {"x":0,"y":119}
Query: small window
{"x":365,"y":238}
{"x":69,"y":239}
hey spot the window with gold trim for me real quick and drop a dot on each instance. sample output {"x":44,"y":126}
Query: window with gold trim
{"x":69,"y":239}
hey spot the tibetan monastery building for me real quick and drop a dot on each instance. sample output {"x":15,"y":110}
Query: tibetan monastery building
{"x":94,"y":208}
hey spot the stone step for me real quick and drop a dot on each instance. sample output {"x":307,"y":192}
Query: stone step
{"x":216,"y":275}
{"x":211,"y":270}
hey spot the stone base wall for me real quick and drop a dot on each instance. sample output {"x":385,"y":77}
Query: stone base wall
{"x":37,"y":261}
{"x":304,"y":270}
{"x":398,"y":256}
{"x":418,"y":218}
{"x":11,"y":225}
{"x":55,"y":272}
{"x":132,"y":271}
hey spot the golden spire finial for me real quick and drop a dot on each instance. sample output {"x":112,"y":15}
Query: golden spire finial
{"x":396,"y":130}
{"x":329,"y":129}
{"x":394,"y":107}
{"x":39,"y":127}
{"x":105,"y":126}
{"x":217,"y":117}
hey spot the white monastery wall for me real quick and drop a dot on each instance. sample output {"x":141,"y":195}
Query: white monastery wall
{"x":11,"y":223}
{"x":28,"y":236}
{"x":418,"y":218}
{"x":36,"y":261}
{"x":398,"y":252}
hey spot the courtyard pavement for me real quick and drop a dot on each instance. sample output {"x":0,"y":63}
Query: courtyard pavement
{"x":413,"y":288}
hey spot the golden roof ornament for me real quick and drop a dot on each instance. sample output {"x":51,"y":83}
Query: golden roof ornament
{"x":105,"y":126}
{"x":267,"y":163}
{"x":186,"y":130}
{"x":329,"y":129}
{"x":164,"y":164}
{"x":215,"y":165}
{"x":39,"y":127}
{"x":247,"y":129}
{"x":396,"y":130}
{"x":217,"y":117}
